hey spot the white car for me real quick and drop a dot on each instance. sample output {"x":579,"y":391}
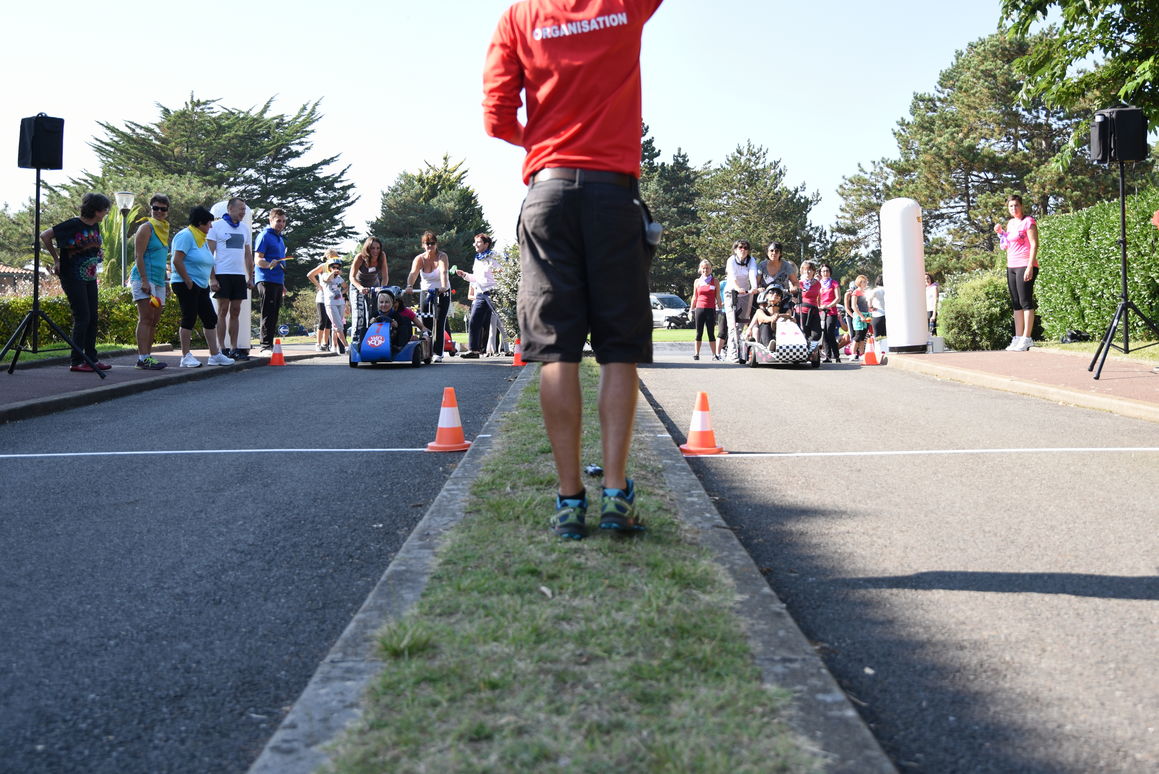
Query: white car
{"x":669,"y":311}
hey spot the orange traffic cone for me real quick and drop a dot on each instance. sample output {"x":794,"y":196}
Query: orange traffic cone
{"x":449,"y":436}
{"x":277,"y":358}
{"x":701,"y":439}
{"x":518,"y":355}
{"x":872,"y":356}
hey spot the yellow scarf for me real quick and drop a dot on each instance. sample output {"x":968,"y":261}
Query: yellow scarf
{"x":198,"y":235}
{"x":161,"y":229}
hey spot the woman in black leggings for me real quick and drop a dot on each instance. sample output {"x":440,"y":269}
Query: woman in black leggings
{"x":705,"y":302}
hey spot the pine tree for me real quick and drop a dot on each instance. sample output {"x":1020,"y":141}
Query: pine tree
{"x":438,"y":199}
{"x":255,"y":154}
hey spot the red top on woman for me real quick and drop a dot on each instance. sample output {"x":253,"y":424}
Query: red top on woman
{"x":829,"y":290}
{"x":704,"y":294}
{"x":810,"y":292}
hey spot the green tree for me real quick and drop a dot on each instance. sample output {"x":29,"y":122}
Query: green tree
{"x":967,"y":145}
{"x":435,"y":198}
{"x":1102,"y":50}
{"x":256,"y":154}
{"x":746,"y":198}
{"x":671,"y":191}
{"x":856,"y":236}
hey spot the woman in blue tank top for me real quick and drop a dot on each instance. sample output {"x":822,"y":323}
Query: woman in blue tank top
{"x":147,"y":278}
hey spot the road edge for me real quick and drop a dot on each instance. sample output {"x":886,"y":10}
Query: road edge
{"x":821,"y":712}
{"x":332,"y":699}
{"x":1124,"y":407}
{"x":36,"y":407}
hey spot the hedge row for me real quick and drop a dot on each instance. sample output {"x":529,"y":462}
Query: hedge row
{"x":1079,"y":286}
{"x":116,"y":317}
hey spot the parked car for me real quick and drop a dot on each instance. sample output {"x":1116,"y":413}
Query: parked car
{"x":669,"y":311}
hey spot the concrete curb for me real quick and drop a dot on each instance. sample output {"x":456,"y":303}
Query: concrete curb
{"x":821,"y":711}
{"x":36,"y":407}
{"x":1126,"y":407}
{"x":332,"y":700}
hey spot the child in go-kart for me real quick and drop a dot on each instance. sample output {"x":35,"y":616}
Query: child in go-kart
{"x":772,"y":307}
{"x":403,"y":320}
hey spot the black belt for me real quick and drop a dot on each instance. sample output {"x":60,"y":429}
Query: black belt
{"x":581,"y":176}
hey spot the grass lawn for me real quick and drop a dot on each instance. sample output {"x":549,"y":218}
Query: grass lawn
{"x":1088,"y":347}
{"x":530,"y":653}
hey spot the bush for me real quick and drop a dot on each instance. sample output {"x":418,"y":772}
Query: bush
{"x":976,"y":312}
{"x":116,"y":317}
{"x":1079,"y":285}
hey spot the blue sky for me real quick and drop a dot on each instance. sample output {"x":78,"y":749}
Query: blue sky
{"x":821,"y":85}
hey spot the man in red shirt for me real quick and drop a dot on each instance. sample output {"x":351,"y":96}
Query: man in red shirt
{"x":586,"y":241}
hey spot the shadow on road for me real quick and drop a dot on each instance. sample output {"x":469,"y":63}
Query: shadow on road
{"x":925,"y":713}
{"x":1073,"y":584}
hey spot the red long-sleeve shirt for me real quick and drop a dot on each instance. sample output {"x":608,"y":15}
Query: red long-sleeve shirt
{"x":578,"y":62}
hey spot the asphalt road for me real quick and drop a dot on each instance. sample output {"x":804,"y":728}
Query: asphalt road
{"x":987,"y":611}
{"x":161,"y":613}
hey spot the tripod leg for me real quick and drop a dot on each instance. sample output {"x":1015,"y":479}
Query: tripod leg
{"x":22,"y":331}
{"x":1149,"y":322}
{"x":1105,"y":347}
{"x":56,"y":329}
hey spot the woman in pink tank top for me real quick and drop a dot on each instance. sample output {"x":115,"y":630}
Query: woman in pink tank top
{"x":1020,"y":241}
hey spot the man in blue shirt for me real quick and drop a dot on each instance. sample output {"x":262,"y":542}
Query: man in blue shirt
{"x":270,"y":274}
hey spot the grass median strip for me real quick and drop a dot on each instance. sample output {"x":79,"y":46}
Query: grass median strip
{"x":530,"y":653}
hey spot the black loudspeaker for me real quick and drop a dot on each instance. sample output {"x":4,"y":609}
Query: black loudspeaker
{"x":1119,"y":134}
{"x":41,"y":142}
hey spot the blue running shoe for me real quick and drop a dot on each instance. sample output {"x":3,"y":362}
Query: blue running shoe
{"x":618,"y":510}
{"x":568,"y":520}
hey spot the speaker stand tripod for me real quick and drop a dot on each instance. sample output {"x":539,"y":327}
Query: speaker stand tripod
{"x":30,"y":324}
{"x":1126,"y":305}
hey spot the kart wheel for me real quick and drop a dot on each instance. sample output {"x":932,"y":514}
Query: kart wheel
{"x":752,"y":358}
{"x":416,"y":358}
{"x":354,"y":364}
{"x":815,"y":360}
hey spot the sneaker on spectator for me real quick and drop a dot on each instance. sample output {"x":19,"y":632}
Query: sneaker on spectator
{"x":150,"y":363}
{"x":189,"y":361}
{"x":220,"y":359}
{"x":240,"y":355}
{"x":81,"y":367}
{"x":103,"y":365}
{"x":1015,"y":341}
{"x":438,"y":358}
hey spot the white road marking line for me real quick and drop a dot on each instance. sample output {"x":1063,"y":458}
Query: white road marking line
{"x":926,"y":452}
{"x":200,"y":451}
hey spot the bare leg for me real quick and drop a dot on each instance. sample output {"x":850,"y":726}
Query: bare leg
{"x":1018,"y":322}
{"x":211,"y":340}
{"x":562,"y":404}
{"x":185,"y":335}
{"x":147,"y":318}
{"x":619,"y":386}
{"x":234,"y":322}
{"x":223,"y":306}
